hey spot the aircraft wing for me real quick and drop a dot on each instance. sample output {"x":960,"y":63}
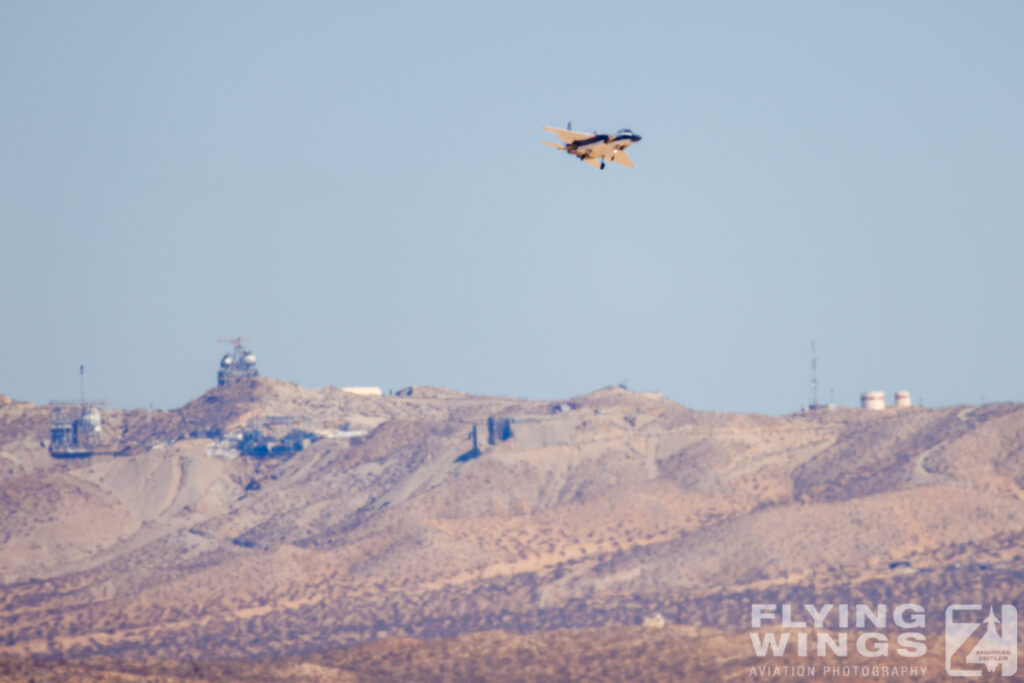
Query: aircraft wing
{"x":622,"y":158}
{"x":596,"y":163}
{"x":568,"y":135}
{"x":601,"y":149}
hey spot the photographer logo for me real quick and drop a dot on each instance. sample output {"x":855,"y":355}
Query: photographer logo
{"x":976,"y":643}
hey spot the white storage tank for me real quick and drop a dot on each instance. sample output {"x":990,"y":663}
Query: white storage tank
{"x":903,"y":399}
{"x":91,"y":420}
{"x":364,"y":391}
{"x":872,"y":400}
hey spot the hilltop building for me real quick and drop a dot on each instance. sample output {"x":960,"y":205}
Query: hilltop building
{"x":237,"y":364}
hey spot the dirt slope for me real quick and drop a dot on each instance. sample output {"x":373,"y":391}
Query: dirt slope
{"x":594,"y":513}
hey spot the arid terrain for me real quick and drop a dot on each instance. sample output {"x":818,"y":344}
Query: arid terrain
{"x":391,"y":547}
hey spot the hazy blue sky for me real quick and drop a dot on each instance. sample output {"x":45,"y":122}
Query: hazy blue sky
{"x":360,"y":189}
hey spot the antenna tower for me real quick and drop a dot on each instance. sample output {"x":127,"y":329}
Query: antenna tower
{"x":814,"y":377}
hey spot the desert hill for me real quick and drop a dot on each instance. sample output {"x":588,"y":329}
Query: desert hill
{"x":393,"y":524}
{"x":674,"y":653}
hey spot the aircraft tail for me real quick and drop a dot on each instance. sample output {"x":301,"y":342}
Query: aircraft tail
{"x":552,"y":144}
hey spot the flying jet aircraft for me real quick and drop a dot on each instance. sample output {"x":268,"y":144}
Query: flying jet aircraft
{"x":595,"y":148}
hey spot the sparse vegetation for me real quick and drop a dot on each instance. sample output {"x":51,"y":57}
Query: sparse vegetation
{"x":389,"y":557}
